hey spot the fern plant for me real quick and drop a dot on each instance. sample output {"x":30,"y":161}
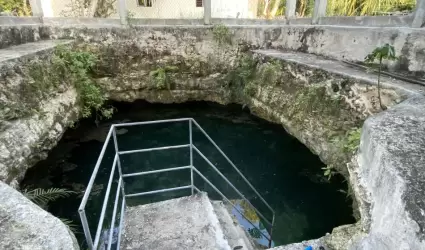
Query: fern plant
{"x":42,"y":197}
{"x":380,"y":53}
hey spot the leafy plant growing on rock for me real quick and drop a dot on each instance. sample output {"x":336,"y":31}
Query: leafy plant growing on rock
{"x":221,"y":34}
{"x":329,"y":171}
{"x":380,"y":53}
{"x":241,"y":78}
{"x":162,"y":76}
{"x":352,"y":140}
{"x":76,"y":65}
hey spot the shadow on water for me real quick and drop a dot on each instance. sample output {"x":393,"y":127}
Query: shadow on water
{"x":282,"y":169}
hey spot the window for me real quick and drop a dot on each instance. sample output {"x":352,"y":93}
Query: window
{"x":144,"y":3}
{"x":198,"y":3}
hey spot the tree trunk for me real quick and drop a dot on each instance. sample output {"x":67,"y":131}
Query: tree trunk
{"x":379,"y":82}
{"x":92,"y":8}
{"x":266,"y":7}
{"x":275,"y":8}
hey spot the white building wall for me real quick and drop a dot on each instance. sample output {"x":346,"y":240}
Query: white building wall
{"x":173,"y":9}
{"x":166,"y":9}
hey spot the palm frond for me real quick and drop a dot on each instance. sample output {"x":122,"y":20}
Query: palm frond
{"x":70,"y":224}
{"x":43,"y":196}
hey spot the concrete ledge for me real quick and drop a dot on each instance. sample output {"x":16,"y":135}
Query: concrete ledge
{"x":11,"y":20}
{"x":364,"y":21}
{"x":149,"y":21}
{"x":81,"y":21}
{"x":371,"y":21}
{"x":342,"y":69}
{"x":300,"y":21}
{"x":28,"y":49}
{"x":243,"y":21}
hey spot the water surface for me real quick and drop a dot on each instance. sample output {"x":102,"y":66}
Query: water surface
{"x":282,"y":169}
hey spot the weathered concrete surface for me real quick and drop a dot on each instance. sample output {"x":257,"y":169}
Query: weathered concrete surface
{"x":183,"y":223}
{"x":341,"y":41}
{"x":27,"y":50}
{"x":339,"y":68}
{"x":389,"y":179}
{"x":233,"y":232}
{"x":338,"y":42}
{"x":24,"y":225}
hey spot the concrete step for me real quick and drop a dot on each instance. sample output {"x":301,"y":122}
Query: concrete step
{"x":233,"y":232}
{"x":313,"y":62}
{"x":184,"y":223}
{"x":27,"y":50}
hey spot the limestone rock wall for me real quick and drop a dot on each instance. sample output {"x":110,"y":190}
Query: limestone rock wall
{"x":389,"y":178}
{"x":24,"y":225}
{"x":33,"y":116}
{"x":316,"y":106}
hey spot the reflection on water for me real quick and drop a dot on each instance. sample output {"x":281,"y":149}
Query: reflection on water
{"x":250,"y":221}
{"x":283,"y":170}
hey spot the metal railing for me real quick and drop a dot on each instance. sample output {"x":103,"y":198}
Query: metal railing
{"x":120,"y":191}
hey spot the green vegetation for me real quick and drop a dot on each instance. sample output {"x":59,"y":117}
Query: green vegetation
{"x":42,"y":197}
{"x":242,"y":78}
{"x":221,"y":34}
{"x":304,"y":8}
{"x":352,"y":140}
{"x":380,"y":53}
{"x":16,"y":7}
{"x":76,"y":67}
{"x":329,"y":171}
{"x":367,"y":7}
{"x":48,"y":76}
{"x":162,"y":77}
{"x":314,"y":99}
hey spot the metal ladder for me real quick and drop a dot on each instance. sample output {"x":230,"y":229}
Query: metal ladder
{"x":121,"y":187}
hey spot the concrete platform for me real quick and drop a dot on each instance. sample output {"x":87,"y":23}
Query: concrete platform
{"x":23,"y":51}
{"x":340,"y":68}
{"x":177,"y":224}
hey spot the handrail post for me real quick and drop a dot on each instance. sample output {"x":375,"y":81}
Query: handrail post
{"x":114,"y":136}
{"x":191,"y":155}
{"x":86,"y":228}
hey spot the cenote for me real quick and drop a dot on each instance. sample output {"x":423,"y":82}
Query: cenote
{"x":281,"y":168}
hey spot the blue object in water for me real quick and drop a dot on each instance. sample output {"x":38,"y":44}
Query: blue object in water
{"x":309,"y":248}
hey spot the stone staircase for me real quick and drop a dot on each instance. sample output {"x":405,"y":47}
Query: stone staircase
{"x":192,"y":222}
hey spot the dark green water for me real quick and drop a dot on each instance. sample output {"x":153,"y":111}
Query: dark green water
{"x":282,"y":169}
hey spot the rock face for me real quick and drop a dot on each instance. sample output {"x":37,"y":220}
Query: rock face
{"x":33,"y":116}
{"x":24,"y":225}
{"x":390,"y":178}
